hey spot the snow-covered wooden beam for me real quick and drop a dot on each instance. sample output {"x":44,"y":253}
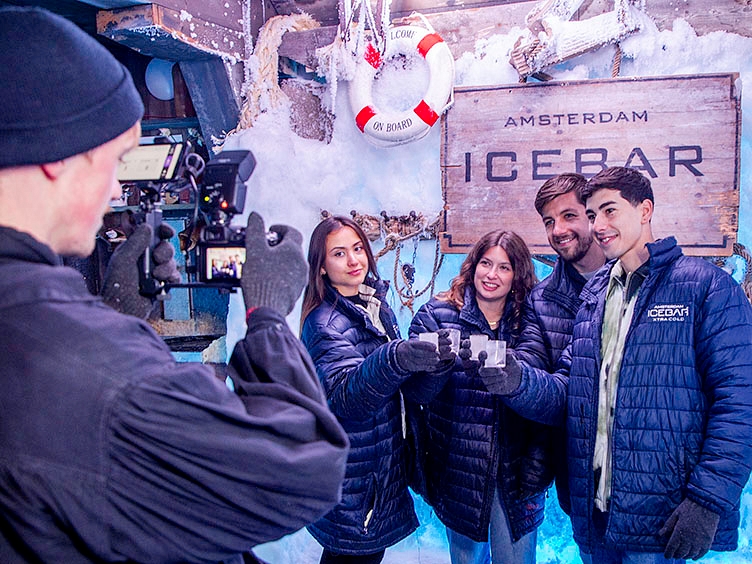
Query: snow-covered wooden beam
{"x":209,"y":53}
{"x":300,"y":46}
{"x":170,"y":34}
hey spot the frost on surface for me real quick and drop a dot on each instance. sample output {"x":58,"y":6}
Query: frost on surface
{"x":551,"y":37}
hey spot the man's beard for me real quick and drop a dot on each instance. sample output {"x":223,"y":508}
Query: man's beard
{"x":576,"y":253}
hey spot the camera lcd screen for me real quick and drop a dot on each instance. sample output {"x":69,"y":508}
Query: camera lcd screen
{"x":224,"y":264}
{"x":155,"y":163}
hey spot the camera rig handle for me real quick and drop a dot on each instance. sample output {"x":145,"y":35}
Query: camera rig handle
{"x":218,"y":196}
{"x":150,"y":212}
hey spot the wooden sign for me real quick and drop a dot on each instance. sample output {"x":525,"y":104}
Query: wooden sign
{"x":501,"y":143}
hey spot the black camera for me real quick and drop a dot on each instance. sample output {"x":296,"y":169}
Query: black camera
{"x":221,"y":246}
{"x":219,"y":192}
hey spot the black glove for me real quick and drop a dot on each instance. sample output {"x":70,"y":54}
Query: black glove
{"x":498,"y":380}
{"x":692,"y":529}
{"x":446,"y":356}
{"x":273,"y":276}
{"x":417,"y":356}
{"x":120,"y":288}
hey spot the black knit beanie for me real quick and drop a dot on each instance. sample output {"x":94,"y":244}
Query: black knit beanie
{"x":63,"y":93}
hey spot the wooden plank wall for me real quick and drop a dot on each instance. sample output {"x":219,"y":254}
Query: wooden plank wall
{"x":462,"y":25}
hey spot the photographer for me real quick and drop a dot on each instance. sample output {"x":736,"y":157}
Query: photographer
{"x":109,"y":449}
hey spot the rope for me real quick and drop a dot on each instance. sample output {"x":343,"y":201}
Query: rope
{"x":394,"y":231}
{"x":741,"y":251}
{"x":392,"y":241}
{"x":616,"y":62}
{"x":338,"y":59}
{"x":405,"y":290}
{"x":406,"y":294}
{"x":746,"y":283}
{"x":261,"y":91}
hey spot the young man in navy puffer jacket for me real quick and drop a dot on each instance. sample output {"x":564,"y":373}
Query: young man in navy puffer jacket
{"x":655,"y":390}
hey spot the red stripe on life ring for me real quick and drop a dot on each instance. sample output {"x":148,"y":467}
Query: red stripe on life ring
{"x":425,"y":44}
{"x":424,"y":112}
{"x":363,"y":117}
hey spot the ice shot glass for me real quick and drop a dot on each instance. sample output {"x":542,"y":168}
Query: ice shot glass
{"x":430,"y":337}
{"x":454,"y":337}
{"x":477,"y":344}
{"x":497,"y":353}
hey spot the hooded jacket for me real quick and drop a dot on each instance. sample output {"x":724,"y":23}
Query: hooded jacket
{"x":357,"y":366}
{"x":683,"y":419}
{"x":112,"y":451}
{"x":473,"y":444}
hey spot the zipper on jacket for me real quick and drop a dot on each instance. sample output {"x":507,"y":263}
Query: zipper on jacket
{"x":371,"y":505}
{"x":492,"y":474}
{"x":368,"y":518}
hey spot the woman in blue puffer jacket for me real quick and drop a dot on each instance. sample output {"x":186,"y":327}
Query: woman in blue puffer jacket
{"x":353,"y":339}
{"x":486,"y":468}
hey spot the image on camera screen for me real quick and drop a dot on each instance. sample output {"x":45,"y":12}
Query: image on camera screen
{"x":224,"y":263}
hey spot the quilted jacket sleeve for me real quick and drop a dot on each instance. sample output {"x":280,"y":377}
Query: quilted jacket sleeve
{"x":542,"y":396}
{"x":531,"y":345}
{"x":724,"y":359}
{"x":356,"y":386}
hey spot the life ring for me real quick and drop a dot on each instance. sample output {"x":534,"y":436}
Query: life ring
{"x":385,"y":128}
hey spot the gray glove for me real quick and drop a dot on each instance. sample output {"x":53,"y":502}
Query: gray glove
{"x":417,"y":356}
{"x":120,"y":288}
{"x":498,"y":380}
{"x":692,"y":529}
{"x":465,"y":353}
{"x":273,"y":276}
{"x":446,"y":356}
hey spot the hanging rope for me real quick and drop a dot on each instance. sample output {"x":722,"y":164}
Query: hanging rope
{"x":741,"y":251}
{"x":261,"y":91}
{"x":616,"y":61}
{"x":393,"y":240}
{"x":337,"y":60}
{"x":405,"y":292}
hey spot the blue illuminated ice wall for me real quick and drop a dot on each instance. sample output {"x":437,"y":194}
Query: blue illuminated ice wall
{"x":297,"y":178}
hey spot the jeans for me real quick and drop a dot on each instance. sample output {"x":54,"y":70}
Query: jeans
{"x":605,"y":556}
{"x":464,"y":550}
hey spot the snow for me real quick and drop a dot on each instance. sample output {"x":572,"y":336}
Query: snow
{"x":295,"y":179}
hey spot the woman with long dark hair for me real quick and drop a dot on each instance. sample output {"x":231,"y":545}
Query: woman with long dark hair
{"x":352,"y":336}
{"x":485,"y":468}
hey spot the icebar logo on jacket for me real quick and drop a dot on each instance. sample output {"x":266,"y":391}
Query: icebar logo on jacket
{"x":668,"y":312}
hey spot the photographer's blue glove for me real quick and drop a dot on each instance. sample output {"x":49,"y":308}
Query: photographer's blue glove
{"x":120,"y":288}
{"x":273,"y":275}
